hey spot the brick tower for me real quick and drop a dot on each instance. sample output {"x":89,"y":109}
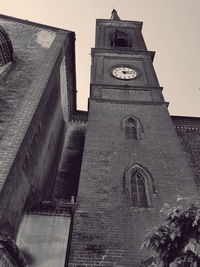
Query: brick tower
{"x":81,"y":188}
{"x":133,"y":161}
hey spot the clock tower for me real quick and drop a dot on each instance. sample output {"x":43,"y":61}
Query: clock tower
{"x":133,"y":162}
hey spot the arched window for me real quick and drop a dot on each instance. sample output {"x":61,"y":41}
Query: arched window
{"x":6,"y":50}
{"x":139,"y":184}
{"x":120,"y":39}
{"x":132,"y":128}
{"x":137,"y":190}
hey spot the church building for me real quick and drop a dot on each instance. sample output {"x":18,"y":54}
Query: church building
{"x":82,"y":188}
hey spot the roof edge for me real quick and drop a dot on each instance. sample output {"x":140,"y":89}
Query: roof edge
{"x":32,"y":23}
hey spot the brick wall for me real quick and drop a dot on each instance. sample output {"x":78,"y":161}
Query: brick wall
{"x":35,"y":166}
{"x":34,"y":133}
{"x":108,"y":231}
{"x":190,"y":141}
{"x":67,"y":179}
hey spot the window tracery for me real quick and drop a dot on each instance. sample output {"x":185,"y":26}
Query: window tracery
{"x":6,"y":49}
{"x":137,"y":190}
{"x":139,"y":184}
{"x":132,"y":128}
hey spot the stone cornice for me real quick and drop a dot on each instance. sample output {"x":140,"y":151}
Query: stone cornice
{"x":186,"y":127}
{"x":128,"y":51}
{"x":122,"y":23}
{"x":130,"y":102}
{"x":124,"y":87}
{"x":190,"y":123}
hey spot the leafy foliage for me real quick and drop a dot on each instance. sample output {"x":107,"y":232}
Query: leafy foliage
{"x":178,"y":239}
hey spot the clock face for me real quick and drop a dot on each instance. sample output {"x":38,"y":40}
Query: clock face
{"x":124,"y":73}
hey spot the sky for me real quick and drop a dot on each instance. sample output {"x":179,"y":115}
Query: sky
{"x":171,"y":28}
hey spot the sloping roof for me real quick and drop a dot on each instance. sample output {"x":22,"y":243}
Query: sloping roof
{"x":32,"y":44}
{"x":37,"y":48}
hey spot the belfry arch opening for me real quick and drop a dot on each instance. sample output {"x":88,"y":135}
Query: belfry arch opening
{"x":120,"y":39}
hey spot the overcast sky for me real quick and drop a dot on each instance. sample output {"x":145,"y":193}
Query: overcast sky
{"x":171,"y":28}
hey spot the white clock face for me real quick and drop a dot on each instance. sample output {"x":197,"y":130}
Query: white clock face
{"x":124,"y":73}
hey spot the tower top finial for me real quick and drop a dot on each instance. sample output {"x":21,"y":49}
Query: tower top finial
{"x":114,"y":15}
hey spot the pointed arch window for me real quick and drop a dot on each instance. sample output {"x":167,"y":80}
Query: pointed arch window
{"x":139,"y":184}
{"x":132,"y":128}
{"x":6,"y":49}
{"x":137,"y":190}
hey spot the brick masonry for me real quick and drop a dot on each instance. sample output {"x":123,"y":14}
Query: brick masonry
{"x":108,"y":230}
{"x":190,"y":141}
{"x":32,"y":124}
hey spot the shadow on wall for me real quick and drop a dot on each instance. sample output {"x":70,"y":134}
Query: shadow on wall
{"x":67,"y":180}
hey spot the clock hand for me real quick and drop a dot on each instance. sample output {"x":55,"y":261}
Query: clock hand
{"x":127,"y":72}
